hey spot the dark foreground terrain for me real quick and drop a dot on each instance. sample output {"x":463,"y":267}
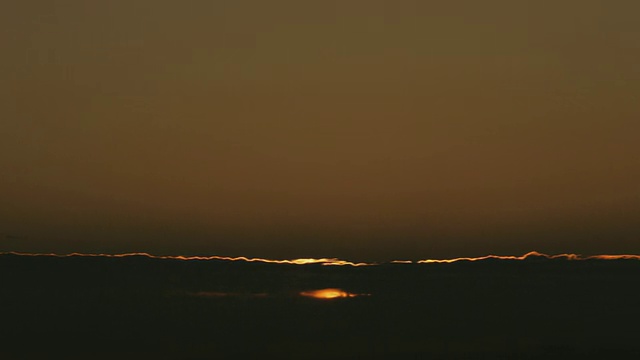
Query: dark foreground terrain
{"x":139,"y":307}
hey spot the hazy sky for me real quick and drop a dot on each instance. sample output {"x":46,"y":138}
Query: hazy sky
{"x":367,"y":130}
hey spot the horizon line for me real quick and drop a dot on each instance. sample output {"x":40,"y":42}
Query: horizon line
{"x":340,"y":262}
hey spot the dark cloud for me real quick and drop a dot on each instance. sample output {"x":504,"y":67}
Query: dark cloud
{"x":174,"y":308}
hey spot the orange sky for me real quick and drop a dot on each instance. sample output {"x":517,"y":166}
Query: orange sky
{"x":373,"y":130}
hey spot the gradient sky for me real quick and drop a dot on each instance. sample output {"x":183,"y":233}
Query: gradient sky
{"x":367,"y":130}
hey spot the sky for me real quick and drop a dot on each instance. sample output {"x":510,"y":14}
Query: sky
{"x":366,"y":130}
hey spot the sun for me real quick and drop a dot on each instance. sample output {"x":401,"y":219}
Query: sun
{"x":330,"y":293}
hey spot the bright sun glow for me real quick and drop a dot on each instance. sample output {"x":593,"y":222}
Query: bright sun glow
{"x":327,"y":294}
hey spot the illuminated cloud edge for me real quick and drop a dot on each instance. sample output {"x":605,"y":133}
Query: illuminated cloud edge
{"x":339,"y":262}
